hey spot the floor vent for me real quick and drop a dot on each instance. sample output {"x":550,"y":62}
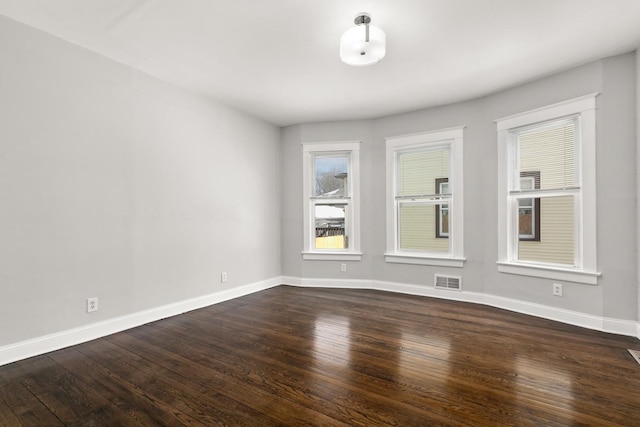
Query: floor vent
{"x":635,"y":354}
{"x":453,"y":283}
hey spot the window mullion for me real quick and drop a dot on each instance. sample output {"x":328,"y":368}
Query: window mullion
{"x":526,"y":194}
{"x":512,"y":226}
{"x":434,"y":198}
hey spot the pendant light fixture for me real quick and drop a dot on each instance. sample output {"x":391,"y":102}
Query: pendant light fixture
{"x":363,"y":44}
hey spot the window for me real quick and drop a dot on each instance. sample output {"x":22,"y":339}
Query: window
{"x":331,"y":200}
{"x":529,"y":208}
{"x":424,"y":198}
{"x":547,"y":192}
{"x":442,"y":211}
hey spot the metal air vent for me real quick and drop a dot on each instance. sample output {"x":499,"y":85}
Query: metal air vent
{"x":453,"y":283}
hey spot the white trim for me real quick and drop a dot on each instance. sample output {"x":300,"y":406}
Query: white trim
{"x":44,"y":344}
{"x":425,"y":137}
{"x":332,"y":256}
{"x":328,"y":283}
{"x":546,"y":272}
{"x":638,"y":186}
{"x":588,"y":196}
{"x":549,"y":112}
{"x":620,"y":327}
{"x":570,"y":317}
{"x":400,"y":258}
{"x":589,"y":321}
{"x":504,"y":220}
{"x":330,"y":146}
{"x":453,"y":139}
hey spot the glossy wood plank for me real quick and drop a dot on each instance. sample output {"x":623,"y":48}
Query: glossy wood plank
{"x":282,"y":378}
{"x":119,"y":390}
{"x":244,"y":386}
{"x":166,"y":385}
{"x":24,"y":408}
{"x":333,"y":357}
{"x":70,"y":399}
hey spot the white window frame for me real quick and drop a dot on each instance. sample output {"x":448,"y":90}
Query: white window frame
{"x":531,"y":206}
{"x":309,"y":151}
{"x":585,"y":270}
{"x":443,"y":208}
{"x":452,"y":138}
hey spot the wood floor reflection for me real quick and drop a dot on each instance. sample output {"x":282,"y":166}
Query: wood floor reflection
{"x":295,"y":356}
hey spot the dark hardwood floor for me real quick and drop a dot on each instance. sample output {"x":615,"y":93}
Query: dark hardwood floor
{"x":294,"y":356}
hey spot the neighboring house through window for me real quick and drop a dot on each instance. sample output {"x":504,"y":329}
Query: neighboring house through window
{"x":331,"y":194}
{"x":442,"y":211}
{"x":529,"y":208}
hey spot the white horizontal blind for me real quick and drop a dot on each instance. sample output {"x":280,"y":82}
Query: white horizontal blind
{"x":418,"y":171}
{"x":417,"y":200}
{"x":557,"y":234}
{"x":550,"y":150}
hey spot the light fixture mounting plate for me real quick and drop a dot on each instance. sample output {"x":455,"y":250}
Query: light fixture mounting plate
{"x":362,"y":19}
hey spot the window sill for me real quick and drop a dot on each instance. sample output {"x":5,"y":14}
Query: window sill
{"x":547,"y":272}
{"x":424,"y":260}
{"x":332,"y":256}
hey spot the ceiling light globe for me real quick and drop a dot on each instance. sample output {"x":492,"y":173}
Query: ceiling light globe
{"x":354,"y":50}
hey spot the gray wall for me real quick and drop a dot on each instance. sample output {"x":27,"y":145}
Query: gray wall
{"x":117,"y":185}
{"x":616,"y":293}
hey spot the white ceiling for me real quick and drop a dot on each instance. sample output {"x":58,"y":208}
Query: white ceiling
{"x":278,"y":59}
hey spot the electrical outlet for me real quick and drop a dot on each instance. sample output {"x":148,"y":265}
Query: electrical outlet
{"x":223,"y":276}
{"x":557,"y":289}
{"x":92,"y":304}
{"x":343,"y":267}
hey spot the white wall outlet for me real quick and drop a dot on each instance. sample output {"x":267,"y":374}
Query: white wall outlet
{"x":557,"y":289}
{"x":92,"y":304}
{"x":223,"y":276}
{"x":343,"y":267}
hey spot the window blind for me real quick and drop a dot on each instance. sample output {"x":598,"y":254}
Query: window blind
{"x":418,"y":171}
{"x":551,"y":150}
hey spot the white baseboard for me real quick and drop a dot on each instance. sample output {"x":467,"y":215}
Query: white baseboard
{"x":621,"y":327}
{"x":616,"y":326}
{"x":546,"y":312}
{"x":401,"y":288}
{"x":36,"y":346}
